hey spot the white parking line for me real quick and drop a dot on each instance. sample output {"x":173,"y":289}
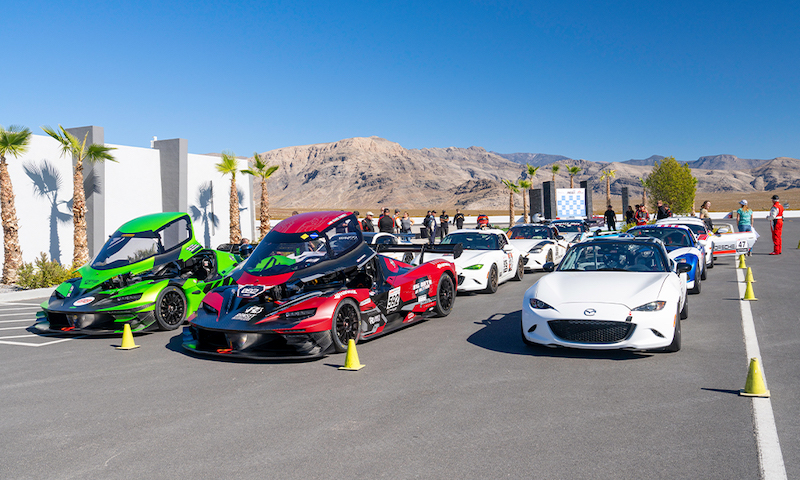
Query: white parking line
{"x":18,"y":313}
{"x":6,"y":340}
{"x":21,"y":304}
{"x":770,"y":457}
{"x":14,"y":328}
{"x":17,"y":321}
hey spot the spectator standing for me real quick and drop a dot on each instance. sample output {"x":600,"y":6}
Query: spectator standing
{"x":706,"y":215}
{"x":386,"y":222}
{"x":425,"y":223}
{"x":396,"y":218}
{"x":776,"y":224}
{"x":662,"y":211}
{"x":611,"y":218}
{"x":366,"y":224}
{"x":405,"y":223}
{"x":641,"y":215}
{"x":744,"y":217}
{"x":629,"y":214}
{"x":444,"y":224}
{"x":459,"y":219}
{"x":432,"y":228}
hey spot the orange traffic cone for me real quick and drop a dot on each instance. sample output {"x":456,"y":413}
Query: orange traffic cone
{"x":351,"y":360}
{"x":754,"y":386}
{"x":127,"y":339}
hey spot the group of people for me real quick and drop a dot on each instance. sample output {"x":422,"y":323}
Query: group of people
{"x":641,"y":215}
{"x":398,"y":223}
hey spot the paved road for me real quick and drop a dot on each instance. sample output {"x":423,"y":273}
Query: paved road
{"x":459,"y":397}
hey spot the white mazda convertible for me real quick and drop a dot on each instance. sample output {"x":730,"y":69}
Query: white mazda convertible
{"x":609,"y":293}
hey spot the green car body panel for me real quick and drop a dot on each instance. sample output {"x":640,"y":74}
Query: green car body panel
{"x":151,"y":273}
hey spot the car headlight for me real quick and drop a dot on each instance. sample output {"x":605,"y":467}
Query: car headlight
{"x":535,"y":250}
{"x":539,"y":305}
{"x":477,"y":266}
{"x":298,"y":315}
{"x":651,"y":307}
{"x":209,"y":309}
{"x":127,"y":298}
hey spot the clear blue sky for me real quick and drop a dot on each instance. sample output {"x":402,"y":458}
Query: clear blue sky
{"x":603,"y":81}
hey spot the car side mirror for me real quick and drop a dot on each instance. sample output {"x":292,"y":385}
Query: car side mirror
{"x":684,"y":268}
{"x":560,"y":237}
{"x":549,"y":267}
{"x":506,"y":248}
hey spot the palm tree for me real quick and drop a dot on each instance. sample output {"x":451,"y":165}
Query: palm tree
{"x":204,"y":211}
{"x":531,"y":173}
{"x":261,"y":170}
{"x":554,"y":168}
{"x":607,"y":175}
{"x":13,"y":141}
{"x":572,"y":172}
{"x":524,"y":186}
{"x":512,"y":189}
{"x":93,"y":153}
{"x":643,"y":181}
{"x":229,"y":166}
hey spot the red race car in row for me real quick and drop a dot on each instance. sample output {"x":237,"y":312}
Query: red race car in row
{"x":310,"y":286}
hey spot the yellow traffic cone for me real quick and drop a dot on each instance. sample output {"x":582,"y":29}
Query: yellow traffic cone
{"x":351,"y":361}
{"x":754,"y":386}
{"x":741,"y":261}
{"x":748,"y":292}
{"x":749,"y":277}
{"x":127,"y":339}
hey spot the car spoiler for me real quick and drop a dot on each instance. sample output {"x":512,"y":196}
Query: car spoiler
{"x":454,"y":249}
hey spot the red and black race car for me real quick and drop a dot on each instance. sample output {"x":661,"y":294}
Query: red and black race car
{"x":311,"y":285}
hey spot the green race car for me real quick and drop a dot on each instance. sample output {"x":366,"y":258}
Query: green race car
{"x":151,"y":273}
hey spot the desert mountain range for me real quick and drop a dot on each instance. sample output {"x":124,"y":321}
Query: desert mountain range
{"x":370,"y":171}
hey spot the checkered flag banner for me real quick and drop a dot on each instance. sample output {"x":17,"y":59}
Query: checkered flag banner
{"x":571,"y":202}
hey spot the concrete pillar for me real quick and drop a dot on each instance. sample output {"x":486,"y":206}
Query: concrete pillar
{"x":549,"y":200}
{"x":174,"y":154}
{"x":94,"y":177}
{"x":625,"y":201}
{"x":536,"y":202}
{"x":586,"y":185}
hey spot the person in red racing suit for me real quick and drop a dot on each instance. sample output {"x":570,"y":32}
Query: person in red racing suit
{"x":776,"y":224}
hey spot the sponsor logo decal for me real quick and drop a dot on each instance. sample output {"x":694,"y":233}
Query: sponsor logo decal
{"x":442,"y":265}
{"x":250,"y":291}
{"x":393,"y":302}
{"x":304,"y":236}
{"x":343,"y":293}
{"x":422,"y":286}
{"x":365,"y":302}
{"x":409,"y":317}
{"x":71,"y":288}
{"x":249,"y":313}
{"x":255,"y":309}
{"x":83,"y":301}
{"x":193,"y":247}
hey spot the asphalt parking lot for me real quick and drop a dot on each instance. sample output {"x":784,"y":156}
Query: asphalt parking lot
{"x":458,"y":397}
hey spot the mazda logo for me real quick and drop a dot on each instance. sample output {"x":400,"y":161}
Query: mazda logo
{"x":589,"y":312}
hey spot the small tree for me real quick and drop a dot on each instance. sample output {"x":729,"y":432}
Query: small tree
{"x":607,"y":175}
{"x":672,"y":183}
{"x":229,"y":166}
{"x":13,"y":141}
{"x":262,"y":171}
{"x":512,"y":189}
{"x":81,"y":152}
{"x":572,"y":172}
{"x":554,"y":168}
{"x":531,"y":173}
{"x":524,"y":186}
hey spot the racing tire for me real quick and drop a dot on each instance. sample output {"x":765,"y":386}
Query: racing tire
{"x":703,"y":275}
{"x":171,"y":308}
{"x":711,"y":264}
{"x":345,"y":324}
{"x":676,"y":339}
{"x":685,"y":309}
{"x":696,"y":289}
{"x":492,"y":280}
{"x":520,"y":270}
{"x":445,"y":296}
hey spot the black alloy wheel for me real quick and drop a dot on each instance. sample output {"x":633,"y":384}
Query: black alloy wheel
{"x":170,"y":308}
{"x":491,"y":284}
{"x":346,"y":324}
{"x":696,"y":288}
{"x":445,"y":296}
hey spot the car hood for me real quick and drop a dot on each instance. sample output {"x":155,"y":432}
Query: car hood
{"x":471,"y":257}
{"x":626,"y":288}
{"x":526,"y":244}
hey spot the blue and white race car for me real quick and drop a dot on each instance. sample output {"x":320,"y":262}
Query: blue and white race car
{"x":682,"y":247}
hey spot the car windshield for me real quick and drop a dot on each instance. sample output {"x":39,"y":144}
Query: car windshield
{"x":616,"y":256}
{"x":569,"y":226}
{"x":280,"y":253}
{"x":695,"y":228}
{"x":529,"y":233}
{"x":123,"y":249}
{"x":672,"y":237}
{"x":473,"y":240}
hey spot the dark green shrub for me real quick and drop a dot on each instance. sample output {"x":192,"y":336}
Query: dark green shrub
{"x":43,"y":273}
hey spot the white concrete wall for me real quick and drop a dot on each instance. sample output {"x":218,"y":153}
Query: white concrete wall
{"x":132,"y":185}
{"x":201,"y":170}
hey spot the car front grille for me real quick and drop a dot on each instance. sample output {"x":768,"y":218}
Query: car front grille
{"x":591,"y":331}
